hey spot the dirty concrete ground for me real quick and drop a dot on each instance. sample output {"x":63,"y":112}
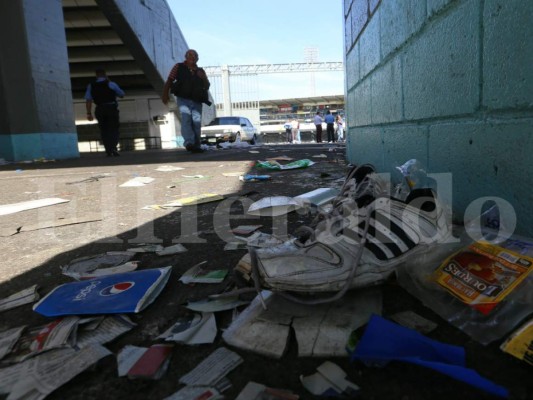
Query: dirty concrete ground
{"x":34,"y":257}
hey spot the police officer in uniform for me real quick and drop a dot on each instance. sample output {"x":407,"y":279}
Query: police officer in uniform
{"x":104,"y":93}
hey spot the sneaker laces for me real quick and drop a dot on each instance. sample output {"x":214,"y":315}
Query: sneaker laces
{"x":361,"y":186}
{"x":314,"y":301}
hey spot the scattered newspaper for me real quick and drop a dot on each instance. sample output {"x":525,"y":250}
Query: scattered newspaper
{"x":8,"y":339}
{"x":195,"y":393}
{"x":175,"y":249}
{"x":193,"y":328}
{"x":25,"y":296}
{"x":119,"y":269}
{"x":106,"y":330}
{"x":273,"y":206}
{"x":198,"y":274}
{"x":90,"y":264}
{"x":246,"y":229}
{"x":6,"y":209}
{"x":147,"y":248}
{"x":142,"y":362}
{"x":330,"y":380}
{"x":317,"y":197}
{"x":258,"y":239}
{"x":138,"y":181}
{"x":256,"y":391}
{"x":35,"y":378}
{"x":168,"y":168}
{"x":187,"y":201}
{"x":56,"y":334}
{"x":244,"y":267}
{"x":215,"y":305}
{"x":74,"y":332}
{"x":215,"y":367}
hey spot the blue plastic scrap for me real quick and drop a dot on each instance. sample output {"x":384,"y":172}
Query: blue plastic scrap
{"x":385,"y":341}
{"x":255,"y":178}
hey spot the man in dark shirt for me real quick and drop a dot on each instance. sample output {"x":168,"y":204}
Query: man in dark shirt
{"x":189,"y":84}
{"x":318,"y":124}
{"x":104,"y":94}
{"x":329,"y":119}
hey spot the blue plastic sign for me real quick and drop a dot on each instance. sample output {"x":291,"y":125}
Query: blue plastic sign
{"x":129,"y":292}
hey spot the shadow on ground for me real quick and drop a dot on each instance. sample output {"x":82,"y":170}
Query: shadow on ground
{"x":205,"y":240}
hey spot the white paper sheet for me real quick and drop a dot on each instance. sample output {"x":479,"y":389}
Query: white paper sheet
{"x":138,"y":181}
{"x":28,"y":205}
{"x":20,"y":298}
{"x":194,"y":328}
{"x":273,"y":206}
{"x":213,"y":368}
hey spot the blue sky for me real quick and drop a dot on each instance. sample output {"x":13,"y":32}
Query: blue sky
{"x":262,"y":32}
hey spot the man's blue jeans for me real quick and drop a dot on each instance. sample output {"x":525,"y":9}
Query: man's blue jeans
{"x":191,"y":121}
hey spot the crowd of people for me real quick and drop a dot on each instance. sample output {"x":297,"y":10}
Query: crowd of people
{"x":334,"y":128}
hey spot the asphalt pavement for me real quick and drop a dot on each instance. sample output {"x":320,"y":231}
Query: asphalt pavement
{"x":99,"y":215}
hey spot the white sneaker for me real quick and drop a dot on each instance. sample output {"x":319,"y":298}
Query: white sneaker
{"x":359,"y":243}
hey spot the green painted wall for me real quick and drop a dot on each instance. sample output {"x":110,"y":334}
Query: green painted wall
{"x":37,"y":118}
{"x":449,"y":82}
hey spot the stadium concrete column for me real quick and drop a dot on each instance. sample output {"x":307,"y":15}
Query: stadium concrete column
{"x":226,"y":91}
{"x":37,"y":116}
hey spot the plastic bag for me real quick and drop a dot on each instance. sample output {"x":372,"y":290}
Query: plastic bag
{"x":274,"y":165}
{"x":254,"y":178}
{"x":413,"y":176}
{"x":483,"y":287}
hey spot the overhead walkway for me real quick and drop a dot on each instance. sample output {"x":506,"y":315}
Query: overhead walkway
{"x":49,"y":51}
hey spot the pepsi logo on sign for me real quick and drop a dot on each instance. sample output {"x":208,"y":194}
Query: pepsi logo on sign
{"x":117,"y":288}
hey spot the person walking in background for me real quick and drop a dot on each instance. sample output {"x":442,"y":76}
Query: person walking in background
{"x":189,"y":84}
{"x":104,"y":93}
{"x":330,"y":122}
{"x":288,"y":131}
{"x":340,"y":127}
{"x":318,"y":124}
{"x":295,"y":125}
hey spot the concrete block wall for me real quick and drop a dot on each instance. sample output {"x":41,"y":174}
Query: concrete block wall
{"x":448,"y":82}
{"x":35,"y":93}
